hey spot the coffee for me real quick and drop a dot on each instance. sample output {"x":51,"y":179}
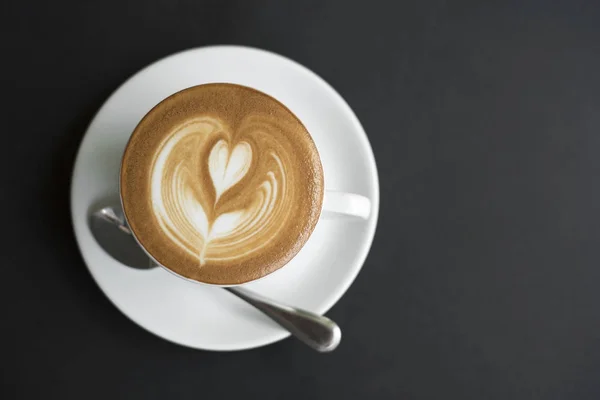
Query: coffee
{"x":221,"y":183}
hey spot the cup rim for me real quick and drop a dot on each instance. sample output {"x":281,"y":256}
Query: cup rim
{"x":133,"y":233}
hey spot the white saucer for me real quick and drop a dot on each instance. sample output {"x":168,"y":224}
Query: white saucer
{"x":205,"y":317}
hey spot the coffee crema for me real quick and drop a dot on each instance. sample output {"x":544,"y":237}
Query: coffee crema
{"x":221,"y":183}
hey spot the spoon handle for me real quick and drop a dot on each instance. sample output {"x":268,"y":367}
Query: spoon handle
{"x":318,"y":332}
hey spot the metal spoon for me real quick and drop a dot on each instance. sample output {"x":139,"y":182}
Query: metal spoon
{"x":112,"y":233}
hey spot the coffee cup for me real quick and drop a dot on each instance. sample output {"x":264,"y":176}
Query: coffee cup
{"x":222,"y":184}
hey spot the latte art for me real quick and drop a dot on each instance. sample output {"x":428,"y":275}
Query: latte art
{"x":221,"y":184}
{"x":187,"y":189}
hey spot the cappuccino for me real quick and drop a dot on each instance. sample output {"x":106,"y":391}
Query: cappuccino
{"x":221,"y":184}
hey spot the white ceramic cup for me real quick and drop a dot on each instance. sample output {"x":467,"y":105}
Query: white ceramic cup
{"x":335,"y":205}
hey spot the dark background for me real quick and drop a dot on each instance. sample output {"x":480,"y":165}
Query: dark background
{"x":483,"y":279}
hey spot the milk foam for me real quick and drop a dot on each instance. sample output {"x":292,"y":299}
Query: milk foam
{"x":226,"y":169}
{"x":221,"y":184}
{"x":191,"y":223}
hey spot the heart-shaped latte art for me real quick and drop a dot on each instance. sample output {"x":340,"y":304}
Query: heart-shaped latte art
{"x":215,"y":199}
{"x":226,"y":169}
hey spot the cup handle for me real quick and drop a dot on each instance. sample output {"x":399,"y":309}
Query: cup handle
{"x":342,"y":204}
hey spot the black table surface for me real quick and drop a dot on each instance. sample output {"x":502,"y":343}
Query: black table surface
{"x":482,"y":282}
